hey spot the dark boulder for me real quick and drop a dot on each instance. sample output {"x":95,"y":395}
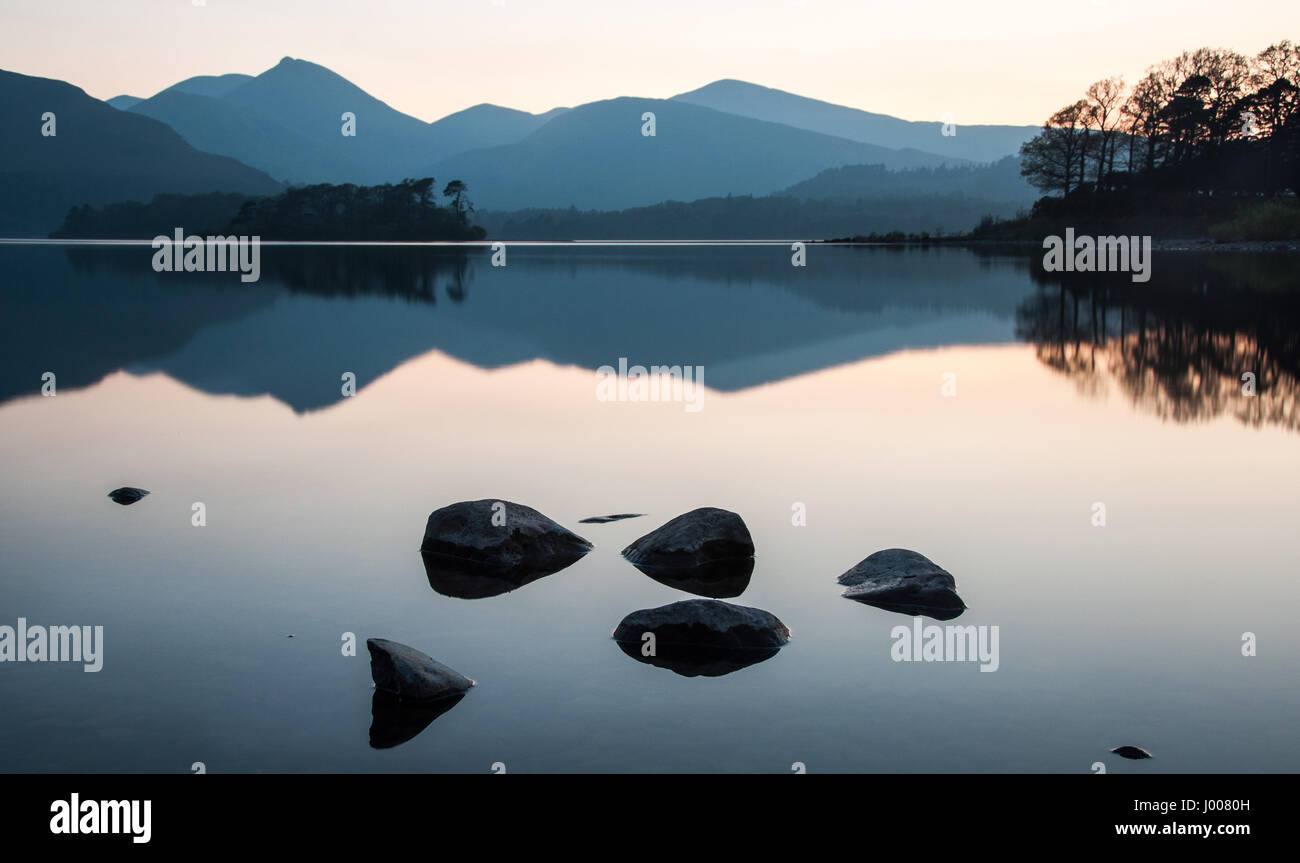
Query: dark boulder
{"x":701,"y":636}
{"x":707,"y":551}
{"x":487,"y":547}
{"x":897,"y":579}
{"x":410,"y":675}
{"x":701,"y":536}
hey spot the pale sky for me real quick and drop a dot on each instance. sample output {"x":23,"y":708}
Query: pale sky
{"x":1001,"y":61}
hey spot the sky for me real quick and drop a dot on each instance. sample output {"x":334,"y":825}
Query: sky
{"x":1000,"y":61}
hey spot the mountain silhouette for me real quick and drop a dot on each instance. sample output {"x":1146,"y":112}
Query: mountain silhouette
{"x":216,"y":125}
{"x":975,"y":143}
{"x":487,"y":126}
{"x":596,"y":157}
{"x":287,"y":122}
{"x":210,"y":85}
{"x":98,"y":155}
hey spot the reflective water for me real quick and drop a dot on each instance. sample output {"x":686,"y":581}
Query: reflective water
{"x":957,"y":403}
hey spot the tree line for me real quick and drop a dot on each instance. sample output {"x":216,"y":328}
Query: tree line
{"x":408,"y":211}
{"x":405,"y":211}
{"x":1209,"y":121}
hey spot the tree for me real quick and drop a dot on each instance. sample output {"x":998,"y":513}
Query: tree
{"x":1104,"y":100}
{"x":1049,"y":159}
{"x":456,"y":190}
{"x":1142,"y":116}
{"x":1275,"y":78}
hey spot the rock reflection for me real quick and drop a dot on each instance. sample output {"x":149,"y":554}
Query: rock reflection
{"x":699,"y":660}
{"x":393,"y":721}
{"x":466,"y":579}
{"x":722,"y":579}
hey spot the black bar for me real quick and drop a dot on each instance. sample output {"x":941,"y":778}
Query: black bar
{"x":299,"y":812}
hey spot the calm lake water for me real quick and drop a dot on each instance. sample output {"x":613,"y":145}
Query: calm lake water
{"x":960,"y":404}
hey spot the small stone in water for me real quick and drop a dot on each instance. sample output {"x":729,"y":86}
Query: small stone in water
{"x":1131,"y":752}
{"x":127,"y":495}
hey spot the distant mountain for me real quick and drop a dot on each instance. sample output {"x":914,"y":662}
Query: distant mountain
{"x":254,"y":137}
{"x":595,"y":157}
{"x":744,"y":217}
{"x":728,"y":138}
{"x":486,"y":126}
{"x":98,"y":155}
{"x":211,"y":85}
{"x":288,"y":121}
{"x":999,"y":182}
{"x":975,"y":143}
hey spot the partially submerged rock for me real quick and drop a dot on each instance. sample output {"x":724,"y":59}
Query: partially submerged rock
{"x":697,"y":637}
{"x":1133,"y":752}
{"x":412,"y":676}
{"x":127,"y":495}
{"x":701,"y":536}
{"x":393,"y":721}
{"x":707,"y":551}
{"x":605,"y":519}
{"x":897,"y":579}
{"x":479,"y":548}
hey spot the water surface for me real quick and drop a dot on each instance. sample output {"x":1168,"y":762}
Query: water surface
{"x":824,"y":386}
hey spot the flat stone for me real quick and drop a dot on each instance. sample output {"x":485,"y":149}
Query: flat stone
{"x":606,"y":519}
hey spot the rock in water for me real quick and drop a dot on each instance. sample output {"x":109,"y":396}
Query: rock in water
{"x":1133,"y":752}
{"x":500,"y":533}
{"x":127,"y":495}
{"x":701,"y":536}
{"x":410,"y":675}
{"x":705,"y":621}
{"x":606,"y":519}
{"x":897,"y":579}
{"x":487,"y":547}
{"x":701,"y":637}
